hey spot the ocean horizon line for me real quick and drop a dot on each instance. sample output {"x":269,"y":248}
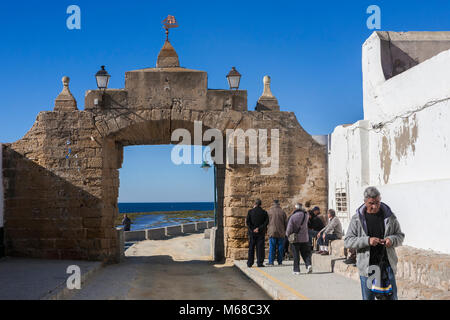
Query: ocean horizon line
{"x":131,"y":207}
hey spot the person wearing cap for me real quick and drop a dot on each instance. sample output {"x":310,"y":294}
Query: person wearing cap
{"x":315,"y":224}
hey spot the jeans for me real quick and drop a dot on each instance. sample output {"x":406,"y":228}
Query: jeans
{"x":328,"y":238}
{"x":256,"y":240}
{"x":274,"y":244}
{"x":305,"y":250}
{"x":367,"y":294}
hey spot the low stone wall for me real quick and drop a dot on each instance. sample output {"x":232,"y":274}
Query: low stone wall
{"x":162,"y":233}
{"x":121,"y":241}
{"x":423,"y":271}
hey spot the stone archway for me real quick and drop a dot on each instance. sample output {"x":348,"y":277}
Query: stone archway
{"x":62,"y":178}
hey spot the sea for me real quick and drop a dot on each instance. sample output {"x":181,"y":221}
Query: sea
{"x":151,"y":221}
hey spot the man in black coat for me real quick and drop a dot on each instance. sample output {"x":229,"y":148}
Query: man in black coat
{"x":126,"y":222}
{"x":315,"y":224}
{"x":257,"y":221}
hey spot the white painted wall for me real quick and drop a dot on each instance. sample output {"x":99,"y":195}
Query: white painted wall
{"x":348,"y":166}
{"x":408,"y":159}
{"x":384,"y":99}
{"x":422,"y":211}
{"x":1,"y":187}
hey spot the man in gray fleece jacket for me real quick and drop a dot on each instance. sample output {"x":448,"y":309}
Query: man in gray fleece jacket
{"x":374,"y":232}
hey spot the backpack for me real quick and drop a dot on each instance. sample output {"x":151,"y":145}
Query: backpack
{"x":293,"y":236}
{"x":382,"y":290}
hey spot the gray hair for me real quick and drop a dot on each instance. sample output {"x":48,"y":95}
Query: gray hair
{"x":371,"y":192}
{"x":298,"y":206}
{"x":332,"y":212}
{"x":258,"y":202}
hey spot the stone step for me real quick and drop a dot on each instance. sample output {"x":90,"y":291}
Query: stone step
{"x":347,"y":270}
{"x":324,"y":263}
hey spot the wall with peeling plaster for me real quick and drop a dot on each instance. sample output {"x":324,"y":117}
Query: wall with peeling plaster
{"x":407,"y":154}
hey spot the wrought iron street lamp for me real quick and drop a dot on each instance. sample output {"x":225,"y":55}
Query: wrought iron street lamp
{"x":233,"y":77}
{"x":102,"y":78}
{"x":205,"y":166}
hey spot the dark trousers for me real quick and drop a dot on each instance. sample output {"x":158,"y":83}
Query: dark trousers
{"x":303,"y":249}
{"x":286,"y":246}
{"x":328,"y":238}
{"x":256,"y":240}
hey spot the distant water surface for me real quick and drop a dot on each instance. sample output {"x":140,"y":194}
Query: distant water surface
{"x":158,"y":220}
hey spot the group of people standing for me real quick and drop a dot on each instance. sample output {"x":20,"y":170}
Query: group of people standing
{"x":292,"y":233}
{"x":372,"y":235}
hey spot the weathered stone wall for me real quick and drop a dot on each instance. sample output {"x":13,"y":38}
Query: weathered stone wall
{"x":53,"y":198}
{"x":64,"y":207}
{"x":62,"y":178}
{"x":301,"y":177}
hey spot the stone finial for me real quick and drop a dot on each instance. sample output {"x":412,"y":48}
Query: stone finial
{"x":65,"y":100}
{"x":267,"y":92}
{"x":167,"y":57}
{"x":267,"y":101}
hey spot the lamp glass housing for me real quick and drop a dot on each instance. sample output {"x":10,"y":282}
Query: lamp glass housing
{"x":102,"y":78}
{"x":234,"y":78}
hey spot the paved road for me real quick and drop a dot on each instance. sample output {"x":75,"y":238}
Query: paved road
{"x":178,"y":268}
{"x":33,"y":279}
{"x":315,"y":286}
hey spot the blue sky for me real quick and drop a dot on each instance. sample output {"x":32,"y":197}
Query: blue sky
{"x":311,"y":50}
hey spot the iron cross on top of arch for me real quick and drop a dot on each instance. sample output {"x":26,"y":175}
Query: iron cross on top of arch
{"x":169,"y":22}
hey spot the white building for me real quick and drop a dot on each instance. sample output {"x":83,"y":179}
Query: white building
{"x":403,"y":144}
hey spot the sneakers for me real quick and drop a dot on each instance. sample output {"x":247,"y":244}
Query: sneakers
{"x":270,"y":265}
{"x":309,"y":269}
{"x":295,"y":273}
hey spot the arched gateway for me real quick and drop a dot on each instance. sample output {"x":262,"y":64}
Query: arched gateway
{"x":62,"y":178}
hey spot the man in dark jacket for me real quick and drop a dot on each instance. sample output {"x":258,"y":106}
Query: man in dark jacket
{"x":126,"y":223}
{"x":315,"y":224}
{"x":257,"y":221}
